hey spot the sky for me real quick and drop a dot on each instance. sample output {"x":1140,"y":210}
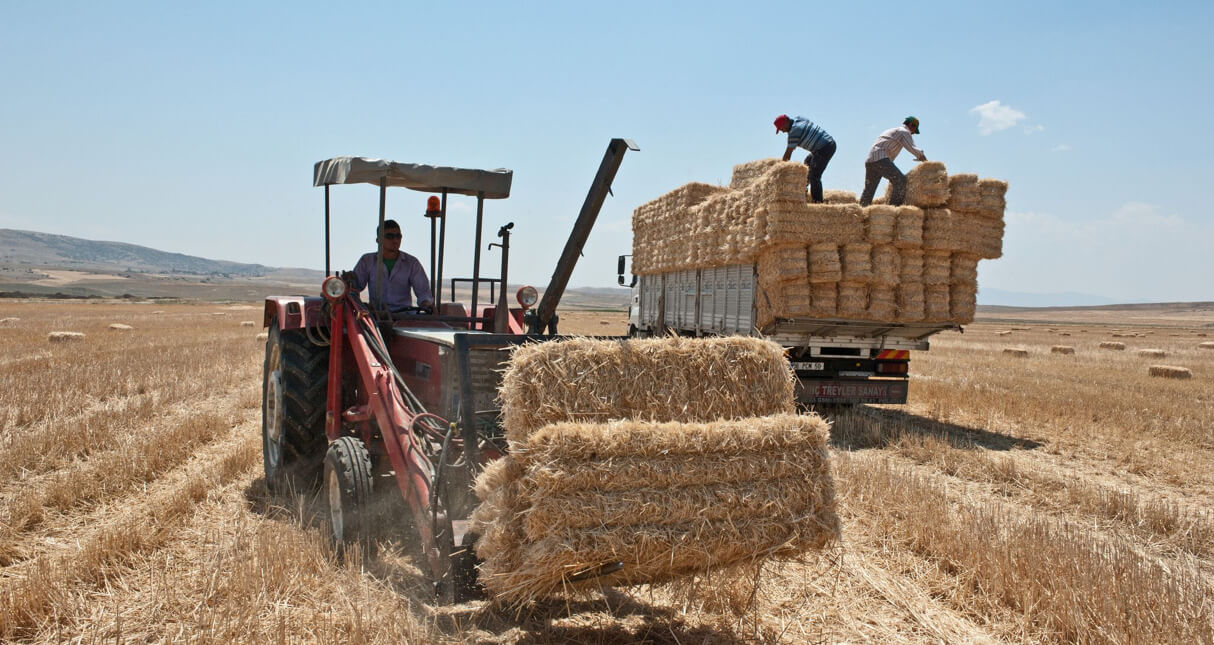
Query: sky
{"x":194,"y":127}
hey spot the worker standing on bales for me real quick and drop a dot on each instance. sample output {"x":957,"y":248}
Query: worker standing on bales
{"x":399,"y":272}
{"x":880,"y":161}
{"x":802,"y":133}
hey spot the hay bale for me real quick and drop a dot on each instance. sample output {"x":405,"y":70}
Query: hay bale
{"x":746,"y":174}
{"x":1206,"y":345}
{"x":839,"y":197}
{"x":1062,"y":349}
{"x":853,"y":299}
{"x":1170,"y":371}
{"x":910,"y":265}
{"x":992,"y":192}
{"x":780,"y":264}
{"x":1112,"y":345}
{"x":248,"y":323}
{"x":665,"y":499}
{"x":886,"y":265}
{"x":939,"y":230}
{"x":120,"y":327}
{"x":157,"y":313}
{"x":908,"y":228}
{"x":577,"y":380}
{"x":795,"y":299}
{"x":10,"y":320}
{"x":927,"y":185}
{"x":962,"y":301}
{"x":937,"y":267}
{"x":935,"y":303}
{"x":1152,"y":353}
{"x":262,"y":336}
{"x":219,"y":313}
{"x":910,"y":301}
{"x":977,"y":235}
{"x":64,"y":336}
{"x":963,"y":268}
{"x":963,"y":193}
{"x":857,"y":262}
{"x":1003,"y":333}
{"x":1017,"y":352}
{"x":824,"y":263}
{"x":880,"y":222}
{"x":824,"y":299}
{"x":882,"y":302}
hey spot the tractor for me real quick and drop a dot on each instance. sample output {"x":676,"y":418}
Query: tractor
{"x":354,"y":395}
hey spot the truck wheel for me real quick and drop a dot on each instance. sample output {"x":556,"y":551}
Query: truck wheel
{"x":294,"y":382}
{"x":348,"y":482}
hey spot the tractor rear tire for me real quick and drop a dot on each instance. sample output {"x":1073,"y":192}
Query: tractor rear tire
{"x":349,"y":483}
{"x":294,"y":384}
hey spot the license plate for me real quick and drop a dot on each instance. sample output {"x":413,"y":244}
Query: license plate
{"x":855,"y":373}
{"x":808,"y":367}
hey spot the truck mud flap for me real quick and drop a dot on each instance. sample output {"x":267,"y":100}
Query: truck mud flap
{"x":851,"y":391}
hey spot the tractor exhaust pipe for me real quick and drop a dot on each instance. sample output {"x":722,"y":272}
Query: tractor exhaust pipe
{"x":544,"y":320}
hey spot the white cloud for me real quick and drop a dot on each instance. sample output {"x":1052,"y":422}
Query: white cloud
{"x":1033,"y":129}
{"x":1062,"y":147}
{"x":994,"y":116}
{"x":1137,"y":252}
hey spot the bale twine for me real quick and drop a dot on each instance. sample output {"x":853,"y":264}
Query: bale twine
{"x":248,"y":323}
{"x":579,"y":380}
{"x":1170,"y":371}
{"x":839,"y":197}
{"x":1017,"y":352}
{"x":853,"y":299}
{"x":927,"y":184}
{"x":880,"y":222}
{"x":908,"y":228}
{"x":937,"y":267}
{"x":64,"y":336}
{"x":1152,"y":353}
{"x":1112,"y":345}
{"x":824,"y":299}
{"x":120,"y":327}
{"x":886,"y":265}
{"x":824,"y":263}
{"x":665,"y":499}
{"x":911,"y":268}
{"x":910,"y":301}
{"x":1062,"y":349}
{"x":857,"y":262}
{"x":1206,"y":345}
{"x":935,"y":303}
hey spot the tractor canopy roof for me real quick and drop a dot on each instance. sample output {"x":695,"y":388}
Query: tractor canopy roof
{"x":495,"y":184}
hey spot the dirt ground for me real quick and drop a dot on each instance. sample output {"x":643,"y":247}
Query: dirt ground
{"x":1047,"y":497}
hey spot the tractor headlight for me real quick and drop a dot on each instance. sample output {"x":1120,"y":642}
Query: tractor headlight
{"x":527,"y":296}
{"x":334,"y":288}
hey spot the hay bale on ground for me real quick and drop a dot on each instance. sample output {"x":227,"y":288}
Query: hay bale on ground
{"x":64,"y":336}
{"x":1152,"y":353}
{"x":1003,"y":333}
{"x":9,"y":320}
{"x":1170,"y":371}
{"x":262,"y":336}
{"x":927,"y":185}
{"x":1062,"y":349}
{"x":120,"y":327}
{"x":824,"y":263}
{"x":1108,"y":344}
{"x":666,"y":499}
{"x":157,"y":313}
{"x":578,"y":380}
{"x":839,"y":197}
{"x":248,"y":323}
{"x":1206,"y":345}
{"x":1018,"y":352}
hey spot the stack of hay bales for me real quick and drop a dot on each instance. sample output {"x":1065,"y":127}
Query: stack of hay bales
{"x":671,"y":456}
{"x":911,"y":263}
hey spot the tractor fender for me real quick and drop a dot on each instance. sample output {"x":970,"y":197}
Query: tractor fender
{"x":294,"y":312}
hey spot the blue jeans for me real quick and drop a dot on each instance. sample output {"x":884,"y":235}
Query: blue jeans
{"x":873,"y":172}
{"x":817,"y":161}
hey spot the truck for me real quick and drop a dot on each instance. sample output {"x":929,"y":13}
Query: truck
{"x":837,"y":361}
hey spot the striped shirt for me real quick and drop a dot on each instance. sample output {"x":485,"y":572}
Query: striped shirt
{"x":804,"y":134}
{"x":891,"y":142}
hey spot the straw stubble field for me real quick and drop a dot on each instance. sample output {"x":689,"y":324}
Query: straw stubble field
{"x":1046,"y":498}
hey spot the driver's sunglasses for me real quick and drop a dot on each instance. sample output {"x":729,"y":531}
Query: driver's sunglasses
{"x":392,"y":236}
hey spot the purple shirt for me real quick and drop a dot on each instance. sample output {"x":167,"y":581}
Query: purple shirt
{"x":406,"y":274}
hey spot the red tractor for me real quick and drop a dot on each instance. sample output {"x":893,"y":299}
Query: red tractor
{"x":352,"y":395}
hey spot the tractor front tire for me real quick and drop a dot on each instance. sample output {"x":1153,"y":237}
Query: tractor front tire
{"x":294,"y":383}
{"x":349,"y":482}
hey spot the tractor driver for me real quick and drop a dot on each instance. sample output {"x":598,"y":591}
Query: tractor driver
{"x":402,"y":271}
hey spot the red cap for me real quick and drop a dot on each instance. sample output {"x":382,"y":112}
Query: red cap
{"x":782,"y":120}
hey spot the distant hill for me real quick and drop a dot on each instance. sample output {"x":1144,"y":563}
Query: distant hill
{"x":1022,"y":299}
